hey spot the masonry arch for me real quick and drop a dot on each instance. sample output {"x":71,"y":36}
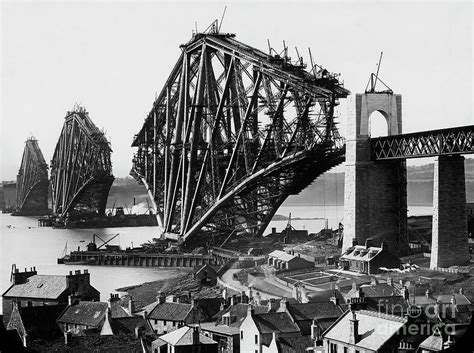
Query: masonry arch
{"x":378,"y":124}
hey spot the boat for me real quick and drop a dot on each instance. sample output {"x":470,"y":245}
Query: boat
{"x":68,"y":260}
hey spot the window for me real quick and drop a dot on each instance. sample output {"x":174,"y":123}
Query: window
{"x":333,"y":348}
{"x":156,"y":321}
{"x":256,"y":339}
{"x":241,"y":335}
{"x":346,"y":350}
{"x":164,"y":322}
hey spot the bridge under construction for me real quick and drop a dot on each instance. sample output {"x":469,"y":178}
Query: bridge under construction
{"x":81,"y":171}
{"x":234,"y":132}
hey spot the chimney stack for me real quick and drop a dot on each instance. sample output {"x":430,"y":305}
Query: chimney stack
{"x":131,"y":306}
{"x":161,"y":298}
{"x":196,"y":340}
{"x":353,"y":329}
{"x":315,"y":331}
{"x":368,"y":243}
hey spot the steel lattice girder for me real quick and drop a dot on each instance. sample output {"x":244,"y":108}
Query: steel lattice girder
{"x":81,"y":171}
{"x":32,"y":180}
{"x":232,"y":134}
{"x":458,"y":140}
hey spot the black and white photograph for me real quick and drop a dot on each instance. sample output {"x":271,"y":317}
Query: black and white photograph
{"x":236,"y":176}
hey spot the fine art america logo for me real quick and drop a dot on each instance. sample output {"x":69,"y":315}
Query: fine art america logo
{"x":431,"y":315}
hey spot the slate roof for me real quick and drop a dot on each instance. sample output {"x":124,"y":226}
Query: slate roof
{"x":377,"y":290}
{"x":361,"y":253}
{"x":206,"y":267}
{"x":39,"y":287}
{"x":127,"y":325}
{"x":184,"y":337}
{"x":116,"y":309}
{"x":238,"y":313}
{"x":221,"y":329}
{"x":84,"y":313}
{"x":281,"y":255}
{"x":310,"y":311}
{"x":170,"y":311}
{"x":389,"y":305}
{"x":294,"y":344}
{"x":442,"y":298}
{"x":275,"y":322}
{"x":433,"y":342}
{"x":325,"y":295}
{"x":375,"y":329}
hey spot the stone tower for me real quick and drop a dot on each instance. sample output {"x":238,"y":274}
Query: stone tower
{"x":375,"y":205}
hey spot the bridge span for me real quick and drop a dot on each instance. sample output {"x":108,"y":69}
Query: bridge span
{"x":232,"y":134}
{"x":375,"y":205}
{"x":235,"y":131}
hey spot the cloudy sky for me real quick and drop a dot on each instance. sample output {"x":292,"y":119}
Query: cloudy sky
{"x":111,"y":57}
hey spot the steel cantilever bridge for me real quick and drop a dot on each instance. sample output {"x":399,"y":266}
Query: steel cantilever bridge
{"x":32,"y":181}
{"x":81,"y":171}
{"x":232,"y":134}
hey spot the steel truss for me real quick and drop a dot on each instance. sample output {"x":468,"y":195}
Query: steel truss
{"x":81,"y":171}
{"x":232,"y":134}
{"x":458,"y":140}
{"x":32,"y":181}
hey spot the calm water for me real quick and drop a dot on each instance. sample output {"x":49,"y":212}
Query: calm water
{"x":27,"y":245}
{"x":334,"y":215}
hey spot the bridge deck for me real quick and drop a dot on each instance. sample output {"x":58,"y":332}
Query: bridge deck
{"x":458,"y":140}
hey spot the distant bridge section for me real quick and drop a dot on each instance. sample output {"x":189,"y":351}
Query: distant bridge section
{"x":32,"y":182}
{"x":81,"y":171}
{"x":443,"y":142}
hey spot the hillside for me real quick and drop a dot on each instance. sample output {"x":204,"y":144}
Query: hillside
{"x":327,"y":189}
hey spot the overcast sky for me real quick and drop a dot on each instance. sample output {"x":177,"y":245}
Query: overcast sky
{"x":111,"y":57}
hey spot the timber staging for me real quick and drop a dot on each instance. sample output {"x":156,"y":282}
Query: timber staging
{"x":143,"y":259}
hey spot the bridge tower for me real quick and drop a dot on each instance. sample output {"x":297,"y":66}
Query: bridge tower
{"x":449,"y":244}
{"x":375,"y":192}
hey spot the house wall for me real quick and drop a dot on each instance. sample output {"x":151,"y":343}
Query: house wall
{"x":298,"y":263}
{"x":163,"y":326}
{"x":248,"y":331}
{"x":226,"y":344}
{"x":9,"y":302}
{"x":207,"y":277}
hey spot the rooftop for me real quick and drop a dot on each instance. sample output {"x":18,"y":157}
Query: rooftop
{"x":375,"y":329}
{"x":281,"y":255}
{"x":319,"y":310}
{"x":39,"y":287}
{"x":275,"y":322}
{"x":127,"y":325}
{"x":361,"y":253}
{"x":170,"y":311}
{"x":84,"y":313}
{"x":184,"y":337}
